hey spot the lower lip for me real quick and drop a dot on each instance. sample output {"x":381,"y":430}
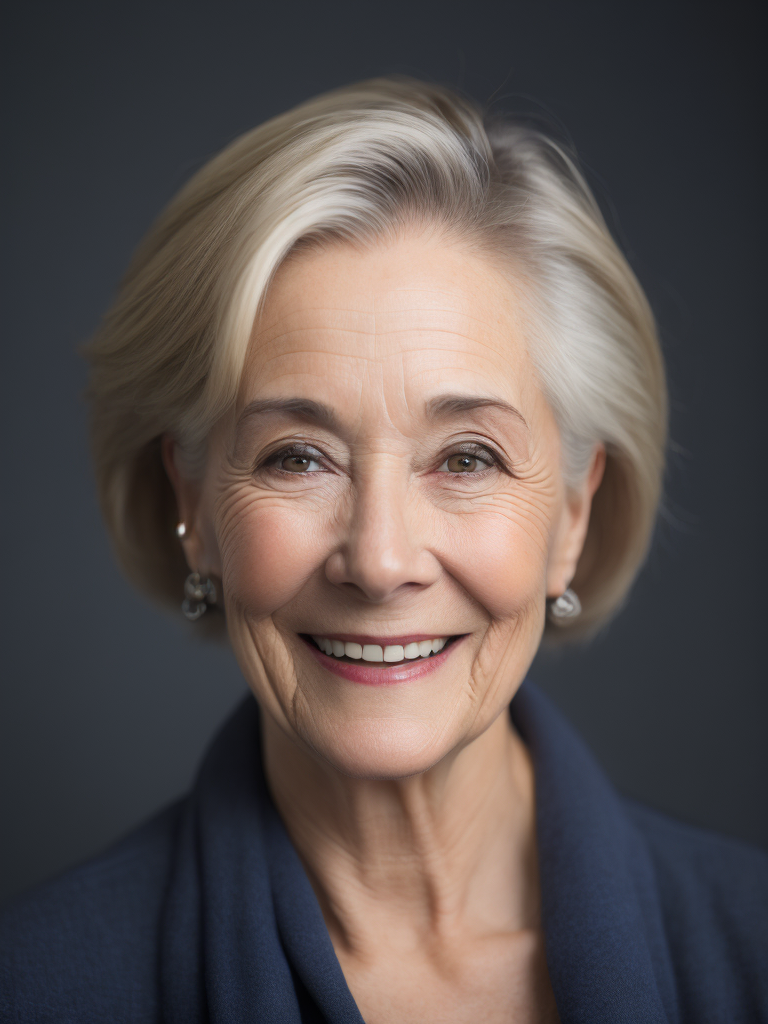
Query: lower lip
{"x":377,"y":674}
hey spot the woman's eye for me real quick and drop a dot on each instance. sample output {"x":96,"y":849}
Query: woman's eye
{"x":297,"y":464}
{"x":293,"y":459}
{"x":462,"y":462}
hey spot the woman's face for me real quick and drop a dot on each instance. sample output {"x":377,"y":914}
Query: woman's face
{"x":390,"y":476}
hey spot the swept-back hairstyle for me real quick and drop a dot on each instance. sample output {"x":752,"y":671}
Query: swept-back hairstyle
{"x":357,"y":164}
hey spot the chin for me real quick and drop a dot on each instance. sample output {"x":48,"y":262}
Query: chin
{"x":382,"y":750}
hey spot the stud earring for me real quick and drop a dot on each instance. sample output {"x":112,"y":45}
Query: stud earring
{"x":564,"y":609}
{"x":198,"y":594}
{"x":181,"y":530}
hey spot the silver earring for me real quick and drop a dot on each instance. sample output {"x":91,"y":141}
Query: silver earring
{"x":564,"y":609}
{"x":198,"y":594}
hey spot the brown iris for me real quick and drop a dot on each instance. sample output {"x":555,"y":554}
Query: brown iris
{"x":462,"y":464}
{"x":295,"y":463}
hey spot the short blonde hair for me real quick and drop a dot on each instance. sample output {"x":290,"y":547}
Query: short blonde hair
{"x":355,"y":164}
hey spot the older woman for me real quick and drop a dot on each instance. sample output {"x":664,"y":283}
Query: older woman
{"x":380,"y":397}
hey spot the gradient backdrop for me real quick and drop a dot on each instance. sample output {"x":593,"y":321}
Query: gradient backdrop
{"x":108,"y":703}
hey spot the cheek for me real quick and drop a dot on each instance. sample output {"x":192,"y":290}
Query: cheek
{"x":268,"y":553}
{"x":499,"y":558}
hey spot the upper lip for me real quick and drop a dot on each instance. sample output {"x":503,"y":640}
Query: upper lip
{"x":382,"y":641}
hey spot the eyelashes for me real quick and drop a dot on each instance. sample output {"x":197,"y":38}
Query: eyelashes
{"x":473,"y":450}
{"x":302,"y":455}
{"x":463,"y":459}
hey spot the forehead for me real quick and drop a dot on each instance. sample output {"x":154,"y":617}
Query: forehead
{"x":408,"y":318}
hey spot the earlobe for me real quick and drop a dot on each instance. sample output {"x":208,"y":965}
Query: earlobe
{"x":185,"y":492}
{"x":168,"y":452}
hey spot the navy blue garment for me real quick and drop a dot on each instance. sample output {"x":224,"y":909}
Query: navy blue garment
{"x":205,"y":914}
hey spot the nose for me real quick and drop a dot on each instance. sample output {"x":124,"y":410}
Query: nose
{"x":383,"y":552}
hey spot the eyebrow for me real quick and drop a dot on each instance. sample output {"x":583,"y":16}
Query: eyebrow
{"x":317,"y":412}
{"x":300,"y":408}
{"x":451,"y":405}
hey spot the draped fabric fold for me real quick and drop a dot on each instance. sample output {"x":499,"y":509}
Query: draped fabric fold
{"x":242,"y":925}
{"x":241,"y":922}
{"x":205,"y":915}
{"x":602,"y":922}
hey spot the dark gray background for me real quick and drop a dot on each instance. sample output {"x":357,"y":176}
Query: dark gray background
{"x":106,"y":703}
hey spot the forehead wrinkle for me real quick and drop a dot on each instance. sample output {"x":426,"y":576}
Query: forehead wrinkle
{"x":416,"y":331}
{"x":261,"y":343}
{"x":435,"y":330}
{"x":359,"y":360}
{"x":452,"y":350}
{"x":357,"y":357}
{"x":401,"y":396}
{"x":443,"y":313}
{"x":262,"y":328}
{"x":373,"y":313}
{"x":373,"y":327}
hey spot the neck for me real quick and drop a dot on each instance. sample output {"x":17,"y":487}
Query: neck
{"x":449,"y":851}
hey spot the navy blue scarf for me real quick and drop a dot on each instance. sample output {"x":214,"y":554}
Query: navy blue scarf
{"x":244,"y":939}
{"x":206,"y":916}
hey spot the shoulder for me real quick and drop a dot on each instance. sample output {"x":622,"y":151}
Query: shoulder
{"x":713,"y":893}
{"x":83,"y":947}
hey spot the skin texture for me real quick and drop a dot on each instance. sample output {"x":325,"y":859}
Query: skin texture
{"x":411,"y":804}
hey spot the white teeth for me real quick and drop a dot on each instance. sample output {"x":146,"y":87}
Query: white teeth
{"x":377,"y":653}
{"x":323,"y":644}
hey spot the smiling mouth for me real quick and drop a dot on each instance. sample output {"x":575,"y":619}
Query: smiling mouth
{"x":381,"y":655}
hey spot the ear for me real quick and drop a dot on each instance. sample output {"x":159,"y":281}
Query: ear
{"x":188,"y":502}
{"x":571,"y":530}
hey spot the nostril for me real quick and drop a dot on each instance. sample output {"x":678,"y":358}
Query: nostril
{"x":376,"y":594}
{"x":375,"y":564}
